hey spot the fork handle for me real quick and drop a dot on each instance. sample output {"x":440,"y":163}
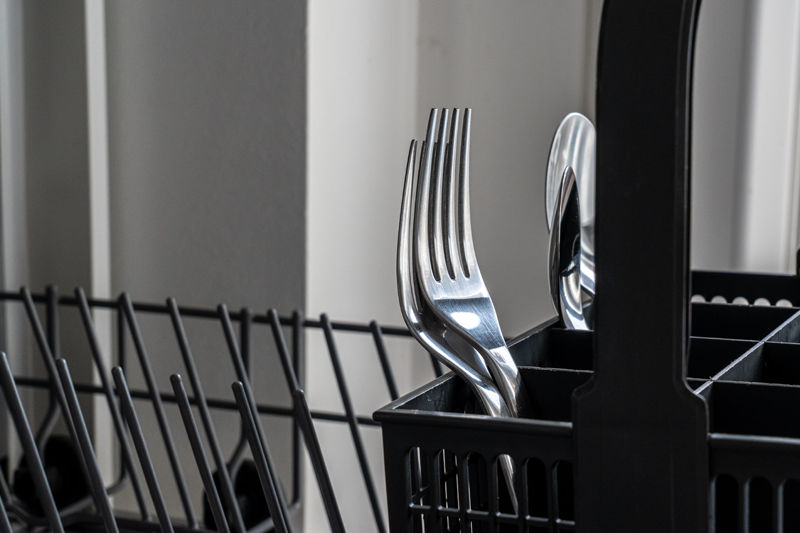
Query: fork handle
{"x":494,"y":405}
{"x":507,"y":376}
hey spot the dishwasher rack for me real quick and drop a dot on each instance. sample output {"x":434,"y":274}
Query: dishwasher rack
{"x":58,"y":482}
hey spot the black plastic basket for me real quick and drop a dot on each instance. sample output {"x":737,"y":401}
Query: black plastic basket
{"x":442,"y":459}
{"x":671,"y":416}
{"x":743,"y":359}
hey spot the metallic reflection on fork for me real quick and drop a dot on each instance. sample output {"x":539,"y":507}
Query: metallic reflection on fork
{"x":442,"y":342}
{"x":447,"y":270}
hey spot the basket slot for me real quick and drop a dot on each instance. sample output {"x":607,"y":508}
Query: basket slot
{"x":776,"y":363}
{"x":770,"y":362}
{"x":569,"y":349}
{"x":755,"y":409}
{"x":551,"y":390}
{"x":789,"y":331}
{"x":554,"y":347}
{"x":707,"y":357}
{"x":452,"y":395}
{"x":737,"y":322}
{"x":746,"y":368}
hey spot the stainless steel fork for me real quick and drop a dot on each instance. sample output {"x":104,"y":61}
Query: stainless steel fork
{"x":447,"y":269}
{"x":440,"y":341}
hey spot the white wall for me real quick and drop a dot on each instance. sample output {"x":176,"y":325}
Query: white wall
{"x":720,"y":80}
{"x":362,"y":76}
{"x":768,"y":209}
{"x":207,"y":140}
{"x":745,"y":170}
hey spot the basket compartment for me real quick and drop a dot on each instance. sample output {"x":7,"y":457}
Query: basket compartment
{"x":743,"y":322}
{"x":755,"y":409}
{"x":551,"y":346}
{"x":769,"y":362}
{"x":443,"y":459}
{"x":707,"y":357}
{"x":445,"y":472}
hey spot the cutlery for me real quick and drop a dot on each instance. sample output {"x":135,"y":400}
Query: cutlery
{"x":435,"y":337}
{"x":574,"y":145}
{"x":449,"y":278}
{"x":565,"y":254}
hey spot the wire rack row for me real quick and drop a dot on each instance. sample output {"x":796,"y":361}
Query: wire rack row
{"x":46,"y":507}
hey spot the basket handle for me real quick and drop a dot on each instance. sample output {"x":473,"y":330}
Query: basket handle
{"x":640,"y":433}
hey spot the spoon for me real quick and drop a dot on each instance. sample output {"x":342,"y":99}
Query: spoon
{"x":574,"y":145}
{"x":566,"y":253}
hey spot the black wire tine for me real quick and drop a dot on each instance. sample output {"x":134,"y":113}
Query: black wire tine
{"x":29,"y":446}
{"x":119,"y":428}
{"x":297,"y":345}
{"x":54,"y":341}
{"x":245,"y":321}
{"x":5,"y":524}
{"x":158,"y":406}
{"x":353,"y":423}
{"x":243,"y":377}
{"x":205,"y":416}
{"x":85,"y":444}
{"x":297,"y":362}
{"x":55,"y":382}
{"x":53,"y":329}
{"x":245,"y":327}
{"x":122,"y":347}
{"x":266,"y":473}
{"x":292,"y":382}
{"x":303,"y":418}
{"x":199,"y":454}
{"x":57,"y":401}
{"x":5,"y":492}
{"x":380,"y":347}
{"x":283,"y":350}
{"x":128,"y":411}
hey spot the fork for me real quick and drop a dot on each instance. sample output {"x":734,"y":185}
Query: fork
{"x":447,"y":270}
{"x":440,"y":341}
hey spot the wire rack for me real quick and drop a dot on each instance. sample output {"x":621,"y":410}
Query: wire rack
{"x":58,"y":483}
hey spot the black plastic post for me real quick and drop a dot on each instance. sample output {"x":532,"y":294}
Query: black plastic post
{"x":640,"y":433}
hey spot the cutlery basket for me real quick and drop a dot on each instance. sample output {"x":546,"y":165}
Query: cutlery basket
{"x":679,"y":412}
{"x":743,"y":359}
